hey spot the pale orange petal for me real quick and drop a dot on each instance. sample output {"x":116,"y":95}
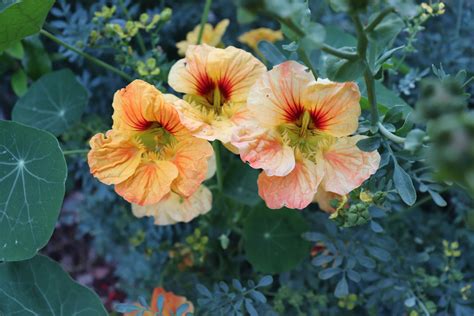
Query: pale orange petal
{"x":346,"y":167}
{"x":296,"y":190}
{"x":173,"y":208}
{"x":171,"y":302}
{"x":324,"y":198}
{"x":150,"y":182}
{"x":191,"y":157}
{"x":113,"y":158}
{"x":334,"y":106}
{"x":277,"y":97}
{"x":265,"y":150}
{"x":131,"y":105}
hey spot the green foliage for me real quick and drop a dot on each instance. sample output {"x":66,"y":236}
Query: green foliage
{"x":39,"y":286}
{"x":33,"y":172}
{"x":50,"y":106}
{"x":273,"y":241}
{"x":21,"y":19}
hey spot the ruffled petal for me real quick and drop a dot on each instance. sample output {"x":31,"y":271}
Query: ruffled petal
{"x":296,"y":190}
{"x":334,"y":107}
{"x":171,"y":302}
{"x":346,"y":167}
{"x":150,"y":182}
{"x":113,"y":158}
{"x":191,"y":157}
{"x":175,"y":208}
{"x":131,"y":105}
{"x":277,"y":97}
{"x":265,"y":150}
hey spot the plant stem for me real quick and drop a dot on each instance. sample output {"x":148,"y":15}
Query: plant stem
{"x":204,"y":16}
{"x":90,"y":58}
{"x":385,"y":132}
{"x":75,"y":151}
{"x":219,"y":174}
{"x":379,"y":18}
{"x":370,"y":84}
{"x":140,"y":40}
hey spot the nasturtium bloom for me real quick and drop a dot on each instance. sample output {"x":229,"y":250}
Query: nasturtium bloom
{"x":148,"y":154}
{"x":297,"y":130}
{"x":171,"y":303}
{"x":253,"y":37}
{"x":174,"y":208}
{"x":215,"y":82}
{"x":211,"y":36}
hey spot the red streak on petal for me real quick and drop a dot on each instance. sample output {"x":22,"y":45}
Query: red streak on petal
{"x":205,"y":85}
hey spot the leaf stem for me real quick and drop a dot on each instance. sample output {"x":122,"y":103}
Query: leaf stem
{"x":370,"y":84}
{"x":385,"y":132}
{"x":90,"y":58}
{"x":205,"y":14}
{"x":379,"y":18}
{"x":219,"y":174}
{"x":75,"y":151}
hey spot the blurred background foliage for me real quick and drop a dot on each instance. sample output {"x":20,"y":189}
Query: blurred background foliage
{"x":377,"y":256}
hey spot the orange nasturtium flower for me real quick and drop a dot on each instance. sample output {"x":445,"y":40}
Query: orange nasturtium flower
{"x":216,"y":83}
{"x":148,"y":154}
{"x":253,"y":37}
{"x":211,"y":36}
{"x":297,"y":131}
{"x":171,"y":303}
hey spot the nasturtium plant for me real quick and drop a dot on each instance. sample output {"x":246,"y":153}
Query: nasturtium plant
{"x":19,"y":19}
{"x":32,"y":173}
{"x":273,"y":239}
{"x":39,"y":286}
{"x":51,"y":106}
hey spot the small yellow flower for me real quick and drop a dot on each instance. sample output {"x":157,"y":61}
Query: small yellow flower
{"x":365,"y":197}
{"x":211,"y":36}
{"x":253,"y":37}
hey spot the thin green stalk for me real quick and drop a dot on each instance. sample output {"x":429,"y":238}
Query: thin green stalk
{"x":370,"y":84}
{"x":385,"y":132}
{"x":204,"y":16}
{"x":379,"y":18}
{"x":75,"y":151}
{"x":141,"y":42}
{"x":219,"y":174}
{"x":90,"y":58}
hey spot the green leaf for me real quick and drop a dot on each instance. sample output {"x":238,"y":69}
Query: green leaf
{"x":273,"y":239}
{"x":328,"y":273}
{"x":343,"y":70}
{"x":245,"y":16}
{"x":36,"y":62}
{"x":241,"y":184}
{"x":387,"y":30}
{"x":414,"y":140}
{"x":32,"y":176}
{"x":271,"y":53}
{"x":7,"y":3}
{"x":386,"y":98}
{"x":53,"y":103}
{"x":15,"y":50}
{"x":21,"y":19}
{"x":337,"y":37}
{"x":403,"y":184}
{"x":369,"y":144}
{"x":315,"y":35}
{"x":19,"y":82}
{"x":39,"y":286}
{"x":342,"y":288}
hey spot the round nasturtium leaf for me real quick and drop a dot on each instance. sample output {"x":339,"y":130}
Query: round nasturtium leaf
{"x":19,"y":19}
{"x":39,"y":286}
{"x":273,"y":239}
{"x":32,"y":176}
{"x":241,"y":184}
{"x":53,"y":103}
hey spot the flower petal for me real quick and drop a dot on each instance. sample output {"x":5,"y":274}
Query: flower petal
{"x":191,"y":157}
{"x":113,"y":158}
{"x":171,"y":302}
{"x":346,"y":167}
{"x":150,"y":182}
{"x":334,"y":107}
{"x":295,"y":190}
{"x":174,"y":208}
{"x":131,"y":105}
{"x":277,"y":97}
{"x":265,"y":150}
